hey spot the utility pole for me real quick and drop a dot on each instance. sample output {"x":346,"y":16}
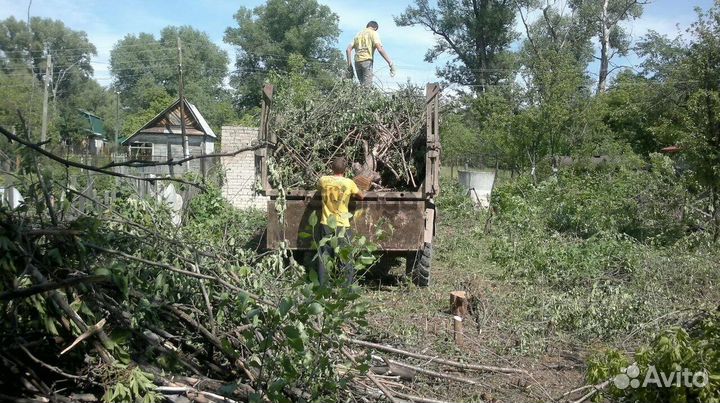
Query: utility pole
{"x":47,"y":79}
{"x":186,"y":151}
{"x":117,"y":117}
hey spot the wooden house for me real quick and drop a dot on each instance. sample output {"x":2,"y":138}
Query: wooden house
{"x":161,"y":137}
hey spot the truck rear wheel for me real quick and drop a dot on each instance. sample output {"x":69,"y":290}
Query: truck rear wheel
{"x":419,"y":264}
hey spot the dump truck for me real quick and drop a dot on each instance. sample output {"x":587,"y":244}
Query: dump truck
{"x":410,"y":215}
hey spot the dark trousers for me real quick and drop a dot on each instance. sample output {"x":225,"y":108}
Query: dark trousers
{"x":327,"y":251}
{"x":365,"y":72}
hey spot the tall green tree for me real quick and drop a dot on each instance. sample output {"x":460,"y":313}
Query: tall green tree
{"x":477,"y":34}
{"x":268,"y":35}
{"x":26,"y":46}
{"x":20,"y":93}
{"x":675,"y":99}
{"x":604,"y":18}
{"x":701,"y":139}
{"x":553,"y":58}
{"x":147,"y":75}
{"x":23,"y":59}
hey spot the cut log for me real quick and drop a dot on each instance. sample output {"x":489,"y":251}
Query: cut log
{"x":459,"y":303}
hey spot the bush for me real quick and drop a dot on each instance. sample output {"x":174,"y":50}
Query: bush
{"x":594,"y":249}
{"x":646,"y":204}
{"x":673,"y":351}
{"x":212,"y":220}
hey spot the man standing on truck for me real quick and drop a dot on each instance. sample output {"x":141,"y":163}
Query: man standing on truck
{"x":364,"y":44}
{"x":336,"y":191}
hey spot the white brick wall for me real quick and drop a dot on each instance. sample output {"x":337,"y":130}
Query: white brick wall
{"x":239,"y":186}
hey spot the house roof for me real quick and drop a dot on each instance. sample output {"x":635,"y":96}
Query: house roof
{"x":168,"y":122}
{"x":97,"y":128}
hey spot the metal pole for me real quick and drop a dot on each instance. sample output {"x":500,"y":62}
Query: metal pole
{"x":186,"y":151}
{"x":47,"y":80}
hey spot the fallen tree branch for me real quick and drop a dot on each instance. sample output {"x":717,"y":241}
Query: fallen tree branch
{"x":202,"y":329}
{"x":596,"y":389}
{"x":180,"y":271}
{"x":435,"y":373}
{"x":62,"y":303}
{"x":54,"y":368}
{"x":69,"y":163}
{"x":91,"y":330}
{"x":170,"y":162}
{"x":437,"y":360}
{"x":419,"y":399}
{"x":373,"y":379}
{"x":174,"y":390}
{"x":49,"y":286}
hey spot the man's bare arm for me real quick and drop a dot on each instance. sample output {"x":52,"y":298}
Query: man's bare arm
{"x":384,"y":54}
{"x":348,"y":53}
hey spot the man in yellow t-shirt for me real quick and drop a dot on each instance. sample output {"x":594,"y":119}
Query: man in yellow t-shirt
{"x":365,"y":44}
{"x":336,"y":191}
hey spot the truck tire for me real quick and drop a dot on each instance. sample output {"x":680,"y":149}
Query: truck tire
{"x":422,"y":261}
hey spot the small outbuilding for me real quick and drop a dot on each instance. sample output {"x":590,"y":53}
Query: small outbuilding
{"x":161,"y":137}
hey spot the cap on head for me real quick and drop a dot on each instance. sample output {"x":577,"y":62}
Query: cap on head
{"x":339,"y":165}
{"x":372,"y":24}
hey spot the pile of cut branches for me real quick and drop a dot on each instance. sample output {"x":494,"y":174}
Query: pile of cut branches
{"x":382,"y":135}
{"x":118,"y":302}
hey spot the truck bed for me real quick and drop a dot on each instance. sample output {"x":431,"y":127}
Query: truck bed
{"x":401,"y":215}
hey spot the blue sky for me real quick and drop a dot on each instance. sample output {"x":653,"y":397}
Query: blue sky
{"x":106,"y":22}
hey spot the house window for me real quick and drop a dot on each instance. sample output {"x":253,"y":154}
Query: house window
{"x":141,"y":151}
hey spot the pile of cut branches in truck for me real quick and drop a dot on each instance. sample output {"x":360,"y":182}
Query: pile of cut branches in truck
{"x":381,"y":134}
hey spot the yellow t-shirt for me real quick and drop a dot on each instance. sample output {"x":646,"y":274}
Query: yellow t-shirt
{"x":336,"y":192}
{"x":365,"y":43}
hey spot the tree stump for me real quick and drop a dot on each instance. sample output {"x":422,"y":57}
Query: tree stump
{"x":459,"y":305}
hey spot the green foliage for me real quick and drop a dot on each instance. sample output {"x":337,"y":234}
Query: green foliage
{"x":592,"y":245}
{"x":21,"y":91}
{"x":130,"y":384}
{"x":357,"y":251}
{"x":673,"y":351}
{"x":263,"y":312}
{"x":26,"y":46}
{"x":624,"y":198}
{"x":146,"y":75}
{"x":214,"y":221}
{"x":604,"y":21}
{"x":458,"y":140}
{"x":477,"y":38}
{"x":23,"y":64}
{"x":455,"y":203}
{"x":270,"y":35}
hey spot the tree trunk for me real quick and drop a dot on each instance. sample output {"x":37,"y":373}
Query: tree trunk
{"x":604,"y":49}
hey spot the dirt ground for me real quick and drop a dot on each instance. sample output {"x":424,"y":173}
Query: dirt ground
{"x":420,"y":320}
